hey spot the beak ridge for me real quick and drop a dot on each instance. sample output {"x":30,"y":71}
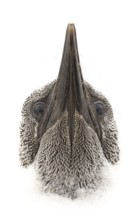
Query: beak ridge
{"x":70,"y":77}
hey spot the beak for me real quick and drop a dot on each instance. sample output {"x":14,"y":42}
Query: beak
{"x":70,"y":86}
{"x":69,"y":91}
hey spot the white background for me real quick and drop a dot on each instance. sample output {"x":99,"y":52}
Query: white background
{"x":31,"y":42}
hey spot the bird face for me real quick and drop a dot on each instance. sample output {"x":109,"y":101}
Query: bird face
{"x":68,"y":130}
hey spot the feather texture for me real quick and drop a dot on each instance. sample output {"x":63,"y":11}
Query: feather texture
{"x":64,"y":168}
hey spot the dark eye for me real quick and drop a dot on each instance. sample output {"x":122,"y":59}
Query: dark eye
{"x":38,"y":109}
{"x":99,"y":108}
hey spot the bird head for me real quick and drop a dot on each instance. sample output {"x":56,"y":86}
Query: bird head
{"x":68,"y":130}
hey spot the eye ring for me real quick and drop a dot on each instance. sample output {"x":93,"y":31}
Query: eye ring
{"x":38,"y":110}
{"x":99,"y":108}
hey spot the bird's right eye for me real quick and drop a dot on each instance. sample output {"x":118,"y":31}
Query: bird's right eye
{"x":38,"y":110}
{"x":99,"y":108}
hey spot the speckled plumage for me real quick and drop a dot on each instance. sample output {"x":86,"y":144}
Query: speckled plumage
{"x":65,"y":167}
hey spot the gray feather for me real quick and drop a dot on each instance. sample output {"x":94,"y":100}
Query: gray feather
{"x":64,"y":169}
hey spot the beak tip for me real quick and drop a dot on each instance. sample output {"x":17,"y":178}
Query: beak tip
{"x":70,"y":27}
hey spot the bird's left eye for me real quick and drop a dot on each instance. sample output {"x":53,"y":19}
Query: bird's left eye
{"x":99,"y":108}
{"x":38,"y":109}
